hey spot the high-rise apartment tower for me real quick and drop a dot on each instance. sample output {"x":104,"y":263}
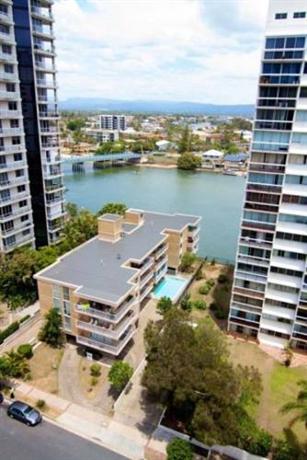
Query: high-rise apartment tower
{"x":31,"y":182}
{"x":269,"y":298}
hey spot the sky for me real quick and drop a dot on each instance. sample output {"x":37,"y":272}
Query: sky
{"x":180,"y":50}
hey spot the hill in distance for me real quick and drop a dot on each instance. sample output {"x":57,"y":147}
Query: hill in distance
{"x":163,"y":107}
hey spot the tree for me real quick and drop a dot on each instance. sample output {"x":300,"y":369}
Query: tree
{"x":52,"y":332}
{"x":189,"y":371}
{"x":113,"y":208}
{"x":13,"y":365}
{"x":184,"y":144}
{"x":164,"y":305}
{"x":189,"y":162}
{"x":78,"y":229}
{"x":76,"y":124}
{"x":179,"y":449}
{"x":187,"y":261}
{"x":120,"y":374}
{"x":299,"y":405}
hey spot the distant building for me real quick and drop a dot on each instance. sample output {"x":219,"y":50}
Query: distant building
{"x":213,"y":155}
{"x":163,"y":145}
{"x":102,"y":136}
{"x":112,"y":122}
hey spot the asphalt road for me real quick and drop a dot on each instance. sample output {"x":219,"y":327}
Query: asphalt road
{"x":46,"y":442}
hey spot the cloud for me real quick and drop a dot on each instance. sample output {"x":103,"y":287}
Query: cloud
{"x":196,"y":50}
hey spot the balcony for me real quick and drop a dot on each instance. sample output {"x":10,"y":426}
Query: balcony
{"x":44,"y":32}
{"x":296,"y":169}
{"x":290,"y":245}
{"x":10,"y":114}
{"x":286,"y":313}
{"x":12,"y":197}
{"x":285,"y":280}
{"x":106,"y":313}
{"x":281,"y":296}
{"x":145,"y":293}
{"x":9,"y":95}
{"x":108,"y":330}
{"x":10,"y":166}
{"x":20,"y":241}
{"x":257,"y":243}
{"x":18,"y":227}
{"x":258,"y":226}
{"x":12,"y":148}
{"x":15,"y":213}
{"x":292,"y":228}
{"x":244,"y":322}
{"x":276,"y":326}
{"x":44,"y":50}
{"x":49,"y":114}
{"x":267,"y":168}
{"x":10,"y":77}
{"x":41,"y":14}
{"x":297,"y":148}
{"x":41,"y":82}
{"x":146,"y":266}
{"x":146,"y":279}
{"x":51,"y":202}
{"x":160,"y":252}
{"x":6,"y":132}
{"x":248,"y":292}
{"x":112,"y":349}
{"x":44,"y":67}
{"x":54,"y":187}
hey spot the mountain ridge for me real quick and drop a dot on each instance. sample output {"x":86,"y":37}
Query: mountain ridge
{"x":156,"y":106}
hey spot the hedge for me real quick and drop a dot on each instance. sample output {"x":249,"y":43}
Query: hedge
{"x":9,"y":331}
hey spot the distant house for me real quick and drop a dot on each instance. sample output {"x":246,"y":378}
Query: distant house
{"x":163,"y":145}
{"x":213,"y":155}
{"x":236,"y":158}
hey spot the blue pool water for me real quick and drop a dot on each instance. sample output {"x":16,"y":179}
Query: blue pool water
{"x":170,"y":286}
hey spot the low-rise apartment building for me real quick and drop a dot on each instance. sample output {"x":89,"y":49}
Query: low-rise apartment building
{"x":100,"y":286}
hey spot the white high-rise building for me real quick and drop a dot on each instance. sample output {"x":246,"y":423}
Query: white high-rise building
{"x":112,"y":122}
{"x":31,"y":181}
{"x":269,"y":298}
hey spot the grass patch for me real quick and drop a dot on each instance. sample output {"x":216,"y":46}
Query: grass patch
{"x":44,"y":368}
{"x":279,"y":387}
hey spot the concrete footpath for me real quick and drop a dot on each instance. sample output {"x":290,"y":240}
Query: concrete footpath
{"x":125,"y":440}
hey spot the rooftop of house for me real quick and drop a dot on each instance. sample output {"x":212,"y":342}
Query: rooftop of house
{"x":96,"y":269}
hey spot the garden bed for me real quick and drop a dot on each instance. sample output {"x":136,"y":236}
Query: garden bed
{"x":91,"y":386}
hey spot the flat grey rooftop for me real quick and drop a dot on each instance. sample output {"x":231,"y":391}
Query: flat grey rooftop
{"x":95,"y":268}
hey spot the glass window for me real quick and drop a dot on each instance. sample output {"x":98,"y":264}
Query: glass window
{"x":281,"y":16}
{"x":299,"y":14}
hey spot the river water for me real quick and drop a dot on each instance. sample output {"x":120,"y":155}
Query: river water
{"x":214,"y":197}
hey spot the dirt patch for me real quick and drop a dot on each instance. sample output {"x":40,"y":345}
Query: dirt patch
{"x":91,"y":388}
{"x":44,"y":368}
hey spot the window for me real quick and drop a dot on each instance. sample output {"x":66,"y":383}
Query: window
{"x":4,"y":29}
{"x":22,"y":203}
{"x":10,"y":241}
{"x":14,"y":123}
{"x":17,"y":156}
{"x":299,"y":14}
{"x":12,"y":105}
{"x":6,"y":49}
{"x":10,"y":87}
{"x":26,"y":232}
{"x":281,"y":16}
{"x":16,"y":140}
{"x":8,"y":68}
{"x":21,"y":188}
{"x":3,"y":9}
{"x":24,"y":218}
{"x":19,"y":173}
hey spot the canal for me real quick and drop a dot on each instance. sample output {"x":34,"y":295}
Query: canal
{"x":214,"y":197}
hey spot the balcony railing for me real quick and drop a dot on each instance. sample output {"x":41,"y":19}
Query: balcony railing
{"x":10,"y":113}
{"x":8,"y":76}
{"x":13,"y":165}
{"x":112,"y":349}
{"x":107,"y":331}
{"x":105,"y":314}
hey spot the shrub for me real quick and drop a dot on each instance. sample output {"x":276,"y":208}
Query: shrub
{"x":24,"y":318}
{"x":164,"y":305}
{"x":9,"y":331}
{"x":25,"y":350}
{"x":210,"y":282}
{"x":189,"y":162}
{"x":41,"y":404}
{"x":120,"y":374}
{"x":284,"y":451}
{"x":179,"y":449}
{"x":95,"y":370}
{"x":186,"y":303}
{"x":94,"y":381}
{"x":187,"y":261}
{"x":199,"y":304}
{"x":204,"y":289}
{"x":219,"y":312}
{"x":222,"y":278}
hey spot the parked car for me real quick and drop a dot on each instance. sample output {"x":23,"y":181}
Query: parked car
{"x":24,"y":413}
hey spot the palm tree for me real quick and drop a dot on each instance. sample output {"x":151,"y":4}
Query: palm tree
{"x":299,"y":405}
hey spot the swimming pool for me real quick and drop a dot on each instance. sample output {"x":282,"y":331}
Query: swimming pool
{"x":170,"y":286}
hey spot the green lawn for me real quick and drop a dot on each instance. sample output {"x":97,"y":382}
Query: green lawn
{"x":279,"y":386}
